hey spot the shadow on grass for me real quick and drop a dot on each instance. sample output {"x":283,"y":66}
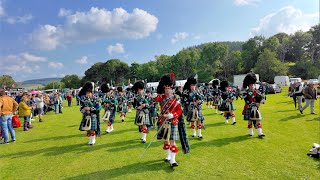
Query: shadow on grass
{"x":314,"y":119}
{"x":288,"y":110}
{"x":103,"y":128}
{"x":56,"y":138}
{"x":76,"y":148}
{"x":286,"y":102}
{"x":215,"y":124}
{"x":141,"y":167}
{"x":291,"y":117}
{"x":220,"y":142}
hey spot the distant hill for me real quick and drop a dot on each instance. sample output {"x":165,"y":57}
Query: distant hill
{"x":43,"y":81}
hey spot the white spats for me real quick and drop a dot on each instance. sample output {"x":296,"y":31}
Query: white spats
{"x":194,"y":132}
{"x":251,"y":132}
{"x":144,"y":137}
{"x":199,"y":133}
{"x":173,"y":161}
{"x":260,"y":132}
{"x":168,"y":158}
{"x":92,"y":140}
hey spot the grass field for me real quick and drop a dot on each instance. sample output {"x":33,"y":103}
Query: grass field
{"x":56,"y":149}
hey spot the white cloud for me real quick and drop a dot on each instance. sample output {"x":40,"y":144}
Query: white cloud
{"x":117,"y":48}
{"x":46,"y":37}
{"x":196,"y":37}
{"x":246,"y":2}
{"x":64,"y":12}
{"x":179,"y":36}
{"x":33,"y":58}
{"x":55,"y":65}
{"x":16,"y":64}
{"x":159,"y":36}
{"x":287,"y":20}
{"x":83,"y":60}
{"x":19,"y":19}
{"x":2,"y":13}
{"x":93,"y":25}
{"x":23,"y":63}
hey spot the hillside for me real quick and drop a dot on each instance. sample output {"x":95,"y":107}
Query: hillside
{"x":43,"y":81}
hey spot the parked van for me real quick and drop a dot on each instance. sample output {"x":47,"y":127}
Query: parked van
{"x":282,"y":80}
{"x":293,"y":80}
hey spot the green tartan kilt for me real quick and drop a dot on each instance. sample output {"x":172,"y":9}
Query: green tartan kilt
{"x":146,"y":120}
{"x":174,"y":133}
{"x":94,"y":121}
{"x":246,"y":114}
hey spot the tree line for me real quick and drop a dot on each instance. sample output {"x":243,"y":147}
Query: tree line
{"x":295,"y":55}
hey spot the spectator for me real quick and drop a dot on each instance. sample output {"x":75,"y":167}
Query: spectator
{"x":56,"y":102}
{"x":39,"y":106}
{"x":298,"y":93}
{"x":18,"y":97}
{"x":25,"y":112}
{"x":310,"y":95}
{"x":69,"y":98}
{"x":8,"y":106}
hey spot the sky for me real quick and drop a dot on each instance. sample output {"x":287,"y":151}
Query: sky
{"x":42,"y":38}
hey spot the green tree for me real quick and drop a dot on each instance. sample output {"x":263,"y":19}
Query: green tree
{"x":272,"y":43}
{"x":185,"y":61}
{"x":305,"y":70}
{"x":133,"y":70}
{"x":251,"y":51}
{"x":164,"y":64}
{"x":313,"y":47}
{"x":268,"y":66}
{"x":7,"y":81}
{"x":212,"y":58}
{"x":233,"y":65}
{"x":55,"y":85}
{"x":116,"y":71}
{"x":298,"y":45}
{"x":93,"y":74}
{"x":148,"y":71}
{"x":71,"y":81}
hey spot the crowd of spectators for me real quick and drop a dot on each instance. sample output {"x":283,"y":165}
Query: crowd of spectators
{"x":28,"y":106}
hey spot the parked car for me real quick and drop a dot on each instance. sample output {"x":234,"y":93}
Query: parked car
{"x":274,"y":88}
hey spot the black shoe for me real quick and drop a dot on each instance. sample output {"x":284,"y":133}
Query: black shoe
{"x":250,"y":135}
{"x":261,"y":135}
{"x":301,"y":111}
{"x":143,"y":141}
{"x":313,"y":113}
{"x":4,"y":143}
{"x":174,"y":164}
{"x":192,"y":135}
{"x":122,"y":120}
{"x":13,"y":140}
{"x":166,"y":160}
{"x":200,"y":137}
{"x":234,"y":123}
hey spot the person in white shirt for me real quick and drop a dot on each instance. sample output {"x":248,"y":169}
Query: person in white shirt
{"x":39,"y":106}
{"x":298,"y":93}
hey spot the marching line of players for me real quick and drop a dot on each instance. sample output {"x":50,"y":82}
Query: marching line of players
{"x":218,"y":95}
